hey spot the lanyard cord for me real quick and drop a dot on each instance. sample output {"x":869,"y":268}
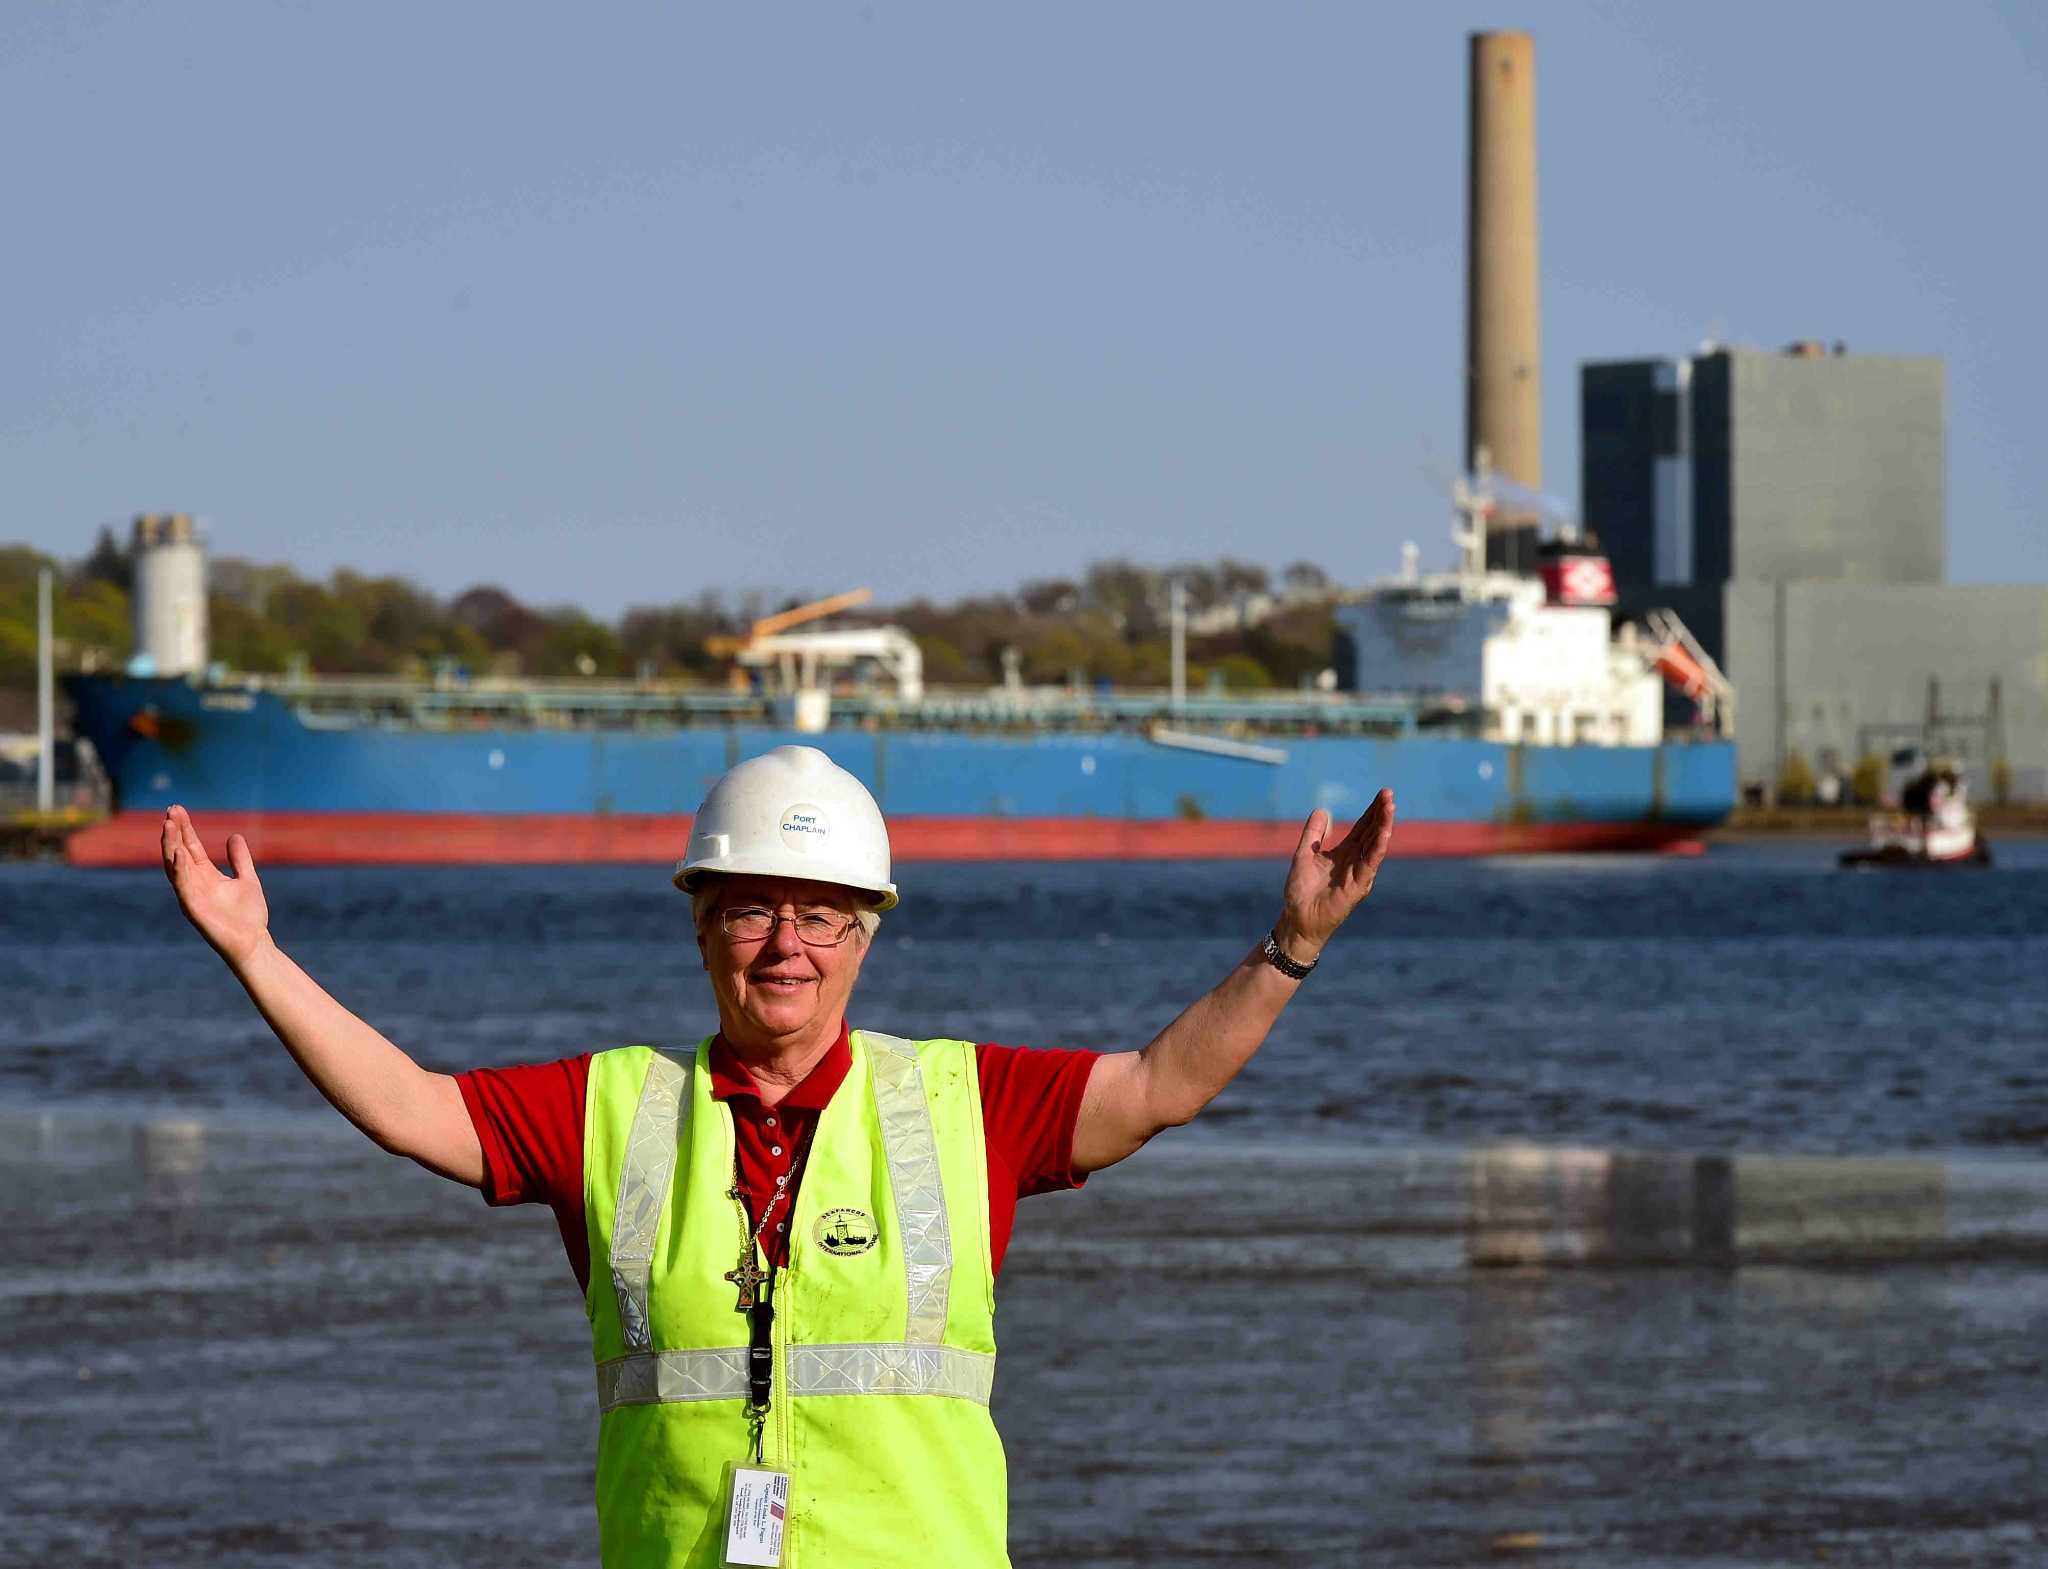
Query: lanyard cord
{"x":760,"y":1369}
{"x":760,"y":1310}
{"x":785,"y":1188}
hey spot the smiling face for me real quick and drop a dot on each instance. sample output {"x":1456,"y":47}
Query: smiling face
{"x":778,"y":993}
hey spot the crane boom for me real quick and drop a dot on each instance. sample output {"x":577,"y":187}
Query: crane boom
{"x":783,"y":620}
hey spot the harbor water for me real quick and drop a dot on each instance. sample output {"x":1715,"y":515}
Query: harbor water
{"x":1603,"y":1211}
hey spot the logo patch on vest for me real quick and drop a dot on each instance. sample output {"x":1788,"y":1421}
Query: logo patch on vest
{"x":845,"y":1232}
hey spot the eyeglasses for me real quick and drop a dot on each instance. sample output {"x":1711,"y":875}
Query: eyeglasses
{"x":814,"y":928}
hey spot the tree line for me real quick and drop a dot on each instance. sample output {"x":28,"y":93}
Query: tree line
{"x":1254,"y":628}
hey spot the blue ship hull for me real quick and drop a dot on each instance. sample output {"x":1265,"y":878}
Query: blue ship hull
{"x":232,"y":753}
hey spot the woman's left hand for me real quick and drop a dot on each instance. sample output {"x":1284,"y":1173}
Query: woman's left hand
{"x":1326,"y":885}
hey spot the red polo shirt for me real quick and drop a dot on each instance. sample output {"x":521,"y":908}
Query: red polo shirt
{"x":529,"y":1121}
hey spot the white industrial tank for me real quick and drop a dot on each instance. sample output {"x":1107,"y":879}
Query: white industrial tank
{"x":169,"y":596}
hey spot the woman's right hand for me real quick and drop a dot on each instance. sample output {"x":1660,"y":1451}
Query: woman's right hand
{"x":230,"y":912}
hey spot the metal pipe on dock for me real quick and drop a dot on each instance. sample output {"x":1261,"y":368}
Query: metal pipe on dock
{"x":46,"y":698}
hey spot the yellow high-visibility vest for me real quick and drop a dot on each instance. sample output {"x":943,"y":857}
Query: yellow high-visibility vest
{"x":884,"y":1316}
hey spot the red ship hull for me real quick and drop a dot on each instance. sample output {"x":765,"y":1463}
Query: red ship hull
{"x":429,"y":838}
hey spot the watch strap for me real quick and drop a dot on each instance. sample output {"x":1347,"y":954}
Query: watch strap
{"x":1276,"y":956}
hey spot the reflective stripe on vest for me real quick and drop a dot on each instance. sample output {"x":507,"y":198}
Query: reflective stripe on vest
{"x":913,"y":1155}
{"x":919,"y":1364}
{"x":644,"y":1179}
{"x":885,"y":1368}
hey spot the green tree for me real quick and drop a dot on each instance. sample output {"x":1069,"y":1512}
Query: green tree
{"x":109,"y":563}
{"x":399,"y":620}
{"x":1296,"y":642}
{"x":1109,"y":624}
{"x":19,"y":565}
{"x":1134,"y":596}
{"x":90,"y":627}
{"x":249,"y":583}
{"x":671,"y":638}
{"x":1866,"y":780}
{"x":1241,"y":577}
{"x":1795,"y":780}
{"x":327,"y":630}
{"x":94,"y":626}
{"x":1108,"y":657}
{"x":1054,"y":654}
{"x":1151,"y":665}
{"x":242,"y":639}
{"x":576,"y":645}
{"x":1049,"y":596}
{"x":1304,"y":579}
{"x":1240,"y":673}
{"x":504,"y":624}
{"x":1202,"y":585}
{"x":944,"y":665}
{"x":457,"y":645}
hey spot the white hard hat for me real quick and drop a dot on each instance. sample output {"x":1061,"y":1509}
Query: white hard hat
{"x":792,"y":812}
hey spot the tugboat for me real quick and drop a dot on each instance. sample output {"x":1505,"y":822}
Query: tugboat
{"x":1933,"y":826}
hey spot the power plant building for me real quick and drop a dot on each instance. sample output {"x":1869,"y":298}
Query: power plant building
{"x":1767,"y":467}
{"x":1791,"y":507}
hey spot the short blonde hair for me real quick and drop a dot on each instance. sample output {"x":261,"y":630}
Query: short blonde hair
{"x":704,"y":899}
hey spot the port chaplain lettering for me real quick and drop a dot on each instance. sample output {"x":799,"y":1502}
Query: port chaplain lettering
{"x":788,"y":1231}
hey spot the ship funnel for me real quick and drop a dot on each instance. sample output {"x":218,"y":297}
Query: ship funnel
{"x":169,"y":596}
{"x":1503,"y":381}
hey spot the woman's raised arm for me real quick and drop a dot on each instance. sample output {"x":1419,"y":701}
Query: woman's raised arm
{"x":1135,"y":1094}
{"x":403,"y":1107}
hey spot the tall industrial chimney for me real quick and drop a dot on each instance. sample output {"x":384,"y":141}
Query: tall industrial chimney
{"x":1503,"y":385}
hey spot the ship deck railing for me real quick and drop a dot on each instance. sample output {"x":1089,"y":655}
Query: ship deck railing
{"x":595,"y":703}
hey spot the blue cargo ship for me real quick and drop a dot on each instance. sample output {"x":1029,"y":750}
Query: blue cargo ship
{"x":338,"y":771}
{"x":1504,"y":712}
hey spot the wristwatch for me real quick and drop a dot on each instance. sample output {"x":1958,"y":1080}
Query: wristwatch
{"x":1277,"y":957}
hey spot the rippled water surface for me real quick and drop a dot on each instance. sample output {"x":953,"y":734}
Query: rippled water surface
{"x":1395,"y":1299}
{"x":1750,"y":997}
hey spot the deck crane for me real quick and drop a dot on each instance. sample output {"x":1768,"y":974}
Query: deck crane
{"x":805,"y":662}
{"x":726,"y":645}
{"x":1675,"y":654}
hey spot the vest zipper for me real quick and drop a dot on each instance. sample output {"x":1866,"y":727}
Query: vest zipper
{"x":778,"y":1413}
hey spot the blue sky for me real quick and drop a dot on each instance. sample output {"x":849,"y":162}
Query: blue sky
{"x":611,"y":305}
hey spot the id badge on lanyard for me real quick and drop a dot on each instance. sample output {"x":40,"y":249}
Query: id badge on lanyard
{"x":757,"y":1508}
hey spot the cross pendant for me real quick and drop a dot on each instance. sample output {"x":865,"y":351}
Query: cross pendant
{"x":746,"y":1277}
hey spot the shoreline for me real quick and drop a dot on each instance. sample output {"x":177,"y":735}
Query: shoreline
{"x":1849,"y":826}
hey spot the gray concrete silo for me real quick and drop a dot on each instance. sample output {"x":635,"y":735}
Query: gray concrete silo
{"x":169,"y":595}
